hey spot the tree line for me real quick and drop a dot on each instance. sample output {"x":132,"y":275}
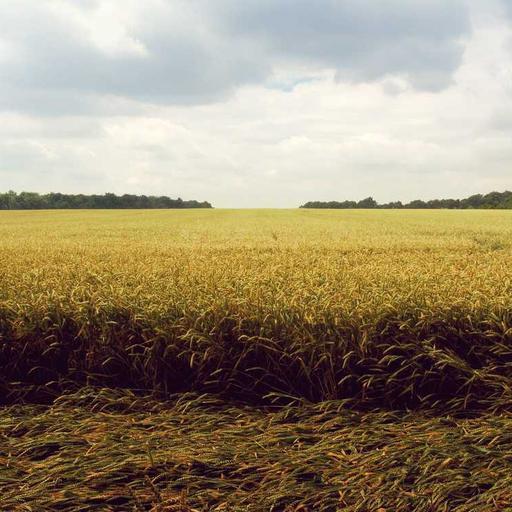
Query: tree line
{"x":493,"y":200}
{"x":56,"y":201}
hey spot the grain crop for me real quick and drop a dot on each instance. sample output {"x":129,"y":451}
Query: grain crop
{"x":108,"y":450}
{"x":324,"y":334}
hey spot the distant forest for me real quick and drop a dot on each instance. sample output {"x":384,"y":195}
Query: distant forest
{"x":55,"y":201}
{"x":493,"y":200}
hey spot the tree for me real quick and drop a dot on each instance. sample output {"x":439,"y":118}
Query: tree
{"x":500,"y":200}
{"x":369,"y":202}
{"x":32,"y":201}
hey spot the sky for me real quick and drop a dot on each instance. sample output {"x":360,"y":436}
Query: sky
{"x":257,"y":103}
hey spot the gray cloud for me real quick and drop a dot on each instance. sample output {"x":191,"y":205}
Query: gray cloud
{"x":199,"y":51}
{"x":176,"y":64}
{"x":363,"y":40}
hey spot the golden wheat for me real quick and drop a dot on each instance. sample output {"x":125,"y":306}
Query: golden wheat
{"x":388,"y":308}
{"x":348,"y":319}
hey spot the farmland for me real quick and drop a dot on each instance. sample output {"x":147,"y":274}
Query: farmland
{"x":256,"y":360}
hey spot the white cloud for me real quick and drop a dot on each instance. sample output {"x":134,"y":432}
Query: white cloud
{"x":172,"y":98}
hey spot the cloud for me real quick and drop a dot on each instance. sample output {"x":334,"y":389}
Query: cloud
{"x":508,"y":6}
{"x":362,"y":40}
{"x":64,"y":56}
{"x":71,"y":54}
{"x":256,"y":103}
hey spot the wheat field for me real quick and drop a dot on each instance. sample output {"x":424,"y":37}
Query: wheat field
{"x":298,"y":359}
